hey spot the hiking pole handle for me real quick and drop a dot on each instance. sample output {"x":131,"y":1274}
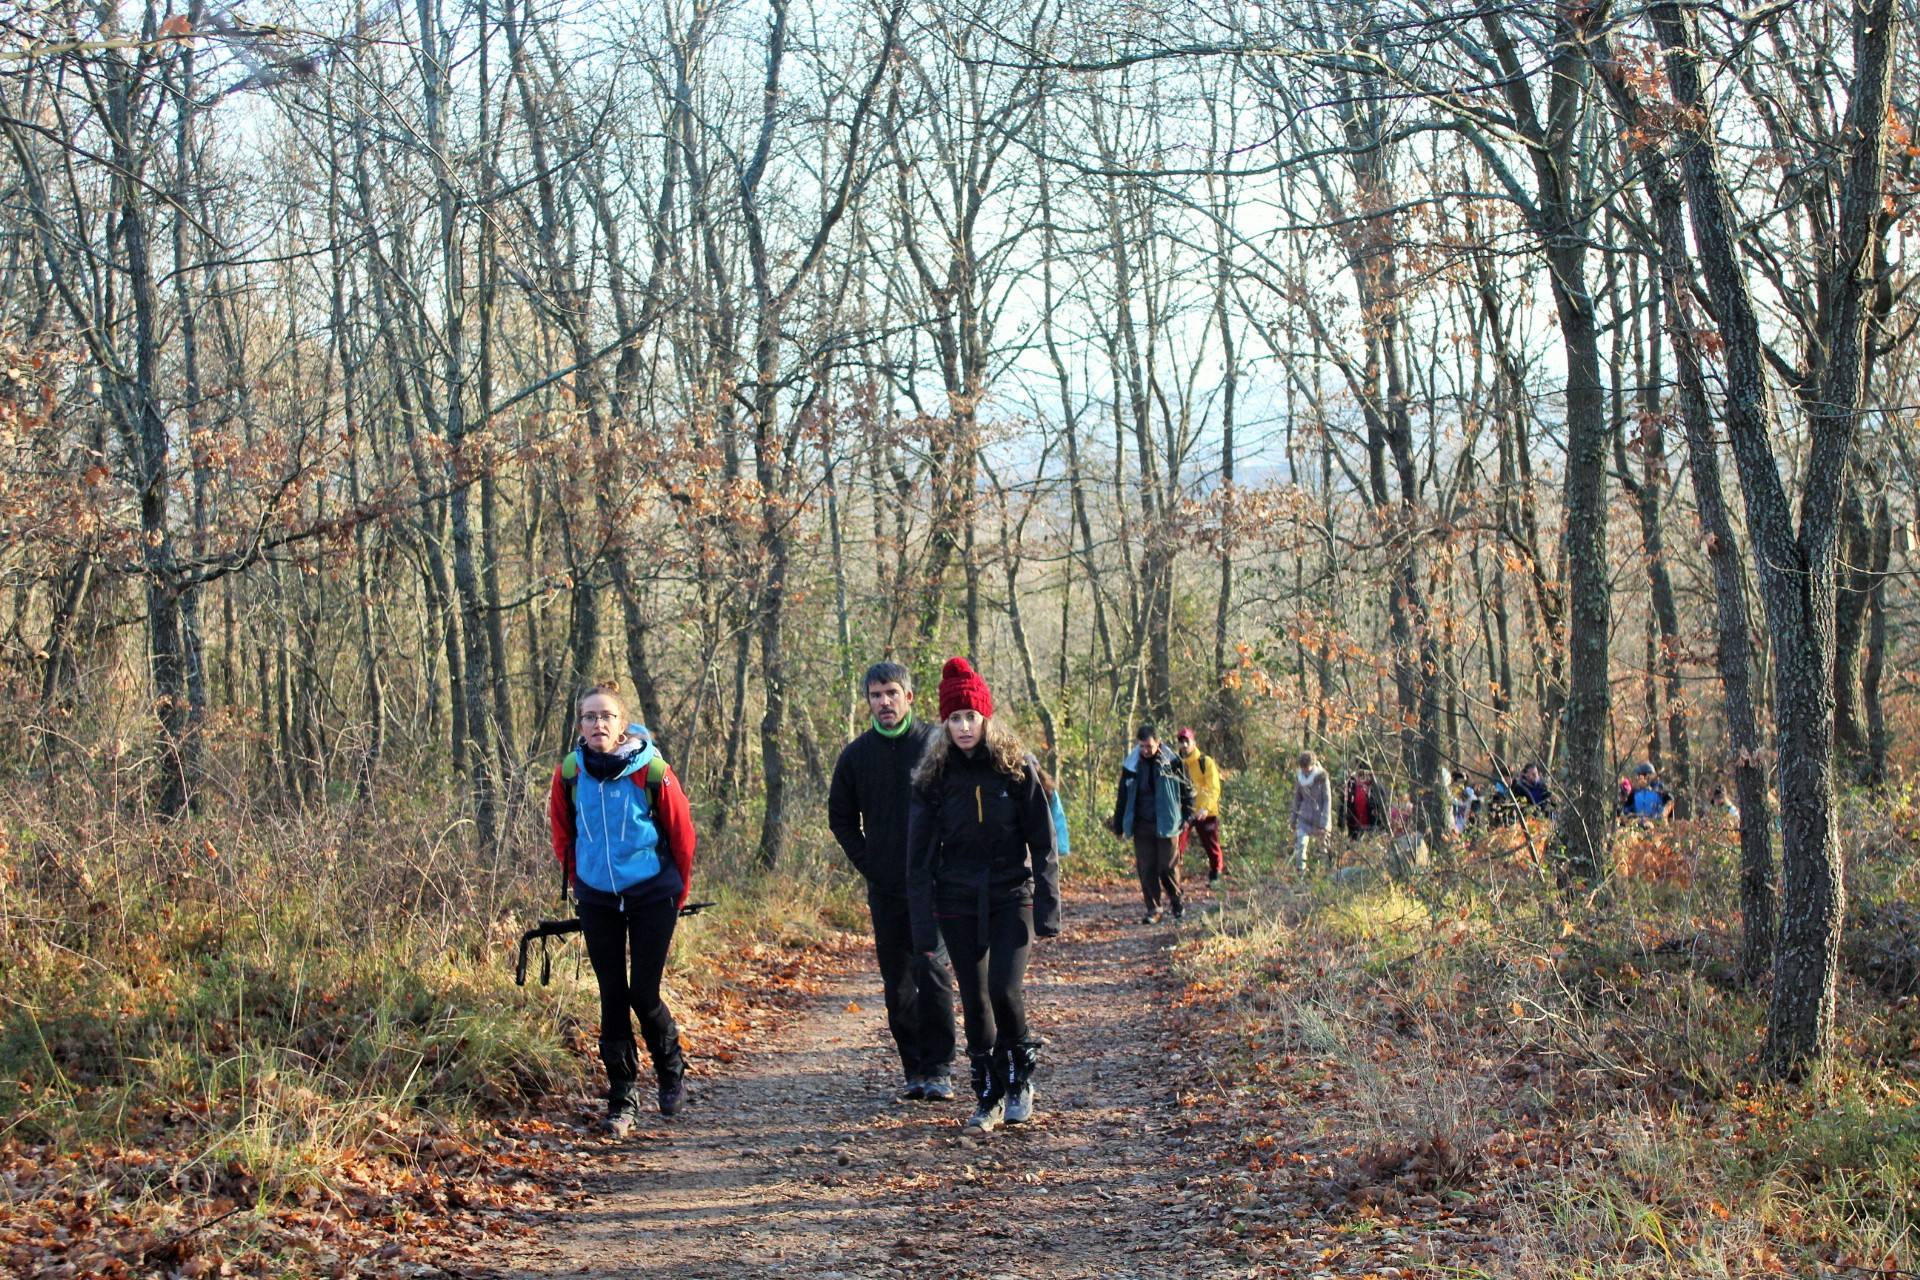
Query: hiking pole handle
{"x":542,"y":931}
{"x":520,"y":964}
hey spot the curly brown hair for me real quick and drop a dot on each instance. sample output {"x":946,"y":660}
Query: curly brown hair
{"x":1008,"y":752}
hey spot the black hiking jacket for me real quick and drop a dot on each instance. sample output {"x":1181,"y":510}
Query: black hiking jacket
{"x":981,"y":840}
{"x":867,"y":801}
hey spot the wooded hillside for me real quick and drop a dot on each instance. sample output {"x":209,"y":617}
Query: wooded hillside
{"x":1444,"y":388}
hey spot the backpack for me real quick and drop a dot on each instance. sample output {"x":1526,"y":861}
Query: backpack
{"x":656,"y":771}
{"x":1649,"y":803}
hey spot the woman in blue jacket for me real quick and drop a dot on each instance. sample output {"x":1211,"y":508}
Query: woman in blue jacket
{"x":623,"y":830}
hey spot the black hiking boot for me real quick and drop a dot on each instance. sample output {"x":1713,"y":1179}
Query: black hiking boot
{"x":989,"y":1076}
{"x":1021,"y":1060}
{"x":915,"y":1090}
{"x":669,"y":1070}
{"x":622,"y":1061}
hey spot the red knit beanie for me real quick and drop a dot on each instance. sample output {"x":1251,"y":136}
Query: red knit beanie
{"x":962,"y":689}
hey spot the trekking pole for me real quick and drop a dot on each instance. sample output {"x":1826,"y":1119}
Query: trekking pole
{"x":559,"y":929}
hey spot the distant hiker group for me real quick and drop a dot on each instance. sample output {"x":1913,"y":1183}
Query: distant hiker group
{"x":1367,"y":806}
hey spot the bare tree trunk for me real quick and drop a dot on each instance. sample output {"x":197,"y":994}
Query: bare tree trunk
{"x":1873,"y":667}
{"x":374,"y":692}
{"x":493,"y":614}
{"x":646,"y":689}
{"x":435,"y":82}
{"x":192,"y":645}
{"x":1796,"y":566}
{"x":1010,"y":561}
{"x":1648,"y":492}
{"x":57,"y":679}
{"x":133,"y":393}
{"x":1154,"y":601}
{"x":1584,"y":824}
{"x":434,"y":576}
{"x":842,"y":614}
{"x":774,"y":449}
{"x":736,"y":716}
{"x":1855,"y":586}
{"x":1070,"y":429}
{"x":1229,"y":743}
{"x":1734,"y":649}
{"x":1543,"y":608}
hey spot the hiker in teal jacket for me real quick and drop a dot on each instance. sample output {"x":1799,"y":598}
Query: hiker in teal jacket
{"x":1153,"y":805}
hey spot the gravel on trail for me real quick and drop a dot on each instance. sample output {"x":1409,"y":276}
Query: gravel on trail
{"x":795,"y":1160}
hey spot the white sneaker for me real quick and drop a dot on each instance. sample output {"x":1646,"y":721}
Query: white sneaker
{"x":987,"y":1118}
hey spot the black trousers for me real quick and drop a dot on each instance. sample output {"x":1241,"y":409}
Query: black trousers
{"x":919,"y":990}
{"x":1156,"y":859}
{"x":628,"y":950}
{"x":992,"y":972}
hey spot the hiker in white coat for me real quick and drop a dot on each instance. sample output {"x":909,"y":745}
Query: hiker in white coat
{"x":1312,"y":808}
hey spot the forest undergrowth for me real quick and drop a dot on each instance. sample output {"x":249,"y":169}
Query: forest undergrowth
{"x":1575,"y":1080}
{"x":253,"y":1043}
{"x":291,"y":1044}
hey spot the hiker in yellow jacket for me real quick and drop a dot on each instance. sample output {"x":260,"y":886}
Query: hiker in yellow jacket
{"x":1205,"y":775}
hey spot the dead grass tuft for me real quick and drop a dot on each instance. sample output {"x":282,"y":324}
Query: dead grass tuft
{"x":1540,"y":1092}
{"x":284,"y":1043}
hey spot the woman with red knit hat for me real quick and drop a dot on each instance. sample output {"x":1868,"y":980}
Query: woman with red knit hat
{"x":982,"y":874}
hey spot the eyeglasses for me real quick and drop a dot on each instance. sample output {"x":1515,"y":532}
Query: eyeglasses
{"x":598,"y":717}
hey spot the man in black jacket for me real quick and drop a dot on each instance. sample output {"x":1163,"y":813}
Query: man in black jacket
{"x":867,"y":810}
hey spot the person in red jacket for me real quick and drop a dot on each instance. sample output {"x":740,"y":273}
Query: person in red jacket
{"x":623,"y":831}
{"x":1363,"y":805}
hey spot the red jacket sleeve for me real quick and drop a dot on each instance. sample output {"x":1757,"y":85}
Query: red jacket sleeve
{"x":676,"y":826}
{"x":560,"y":821}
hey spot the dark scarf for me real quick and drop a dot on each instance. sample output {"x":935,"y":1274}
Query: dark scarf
{"x":603,"y":766}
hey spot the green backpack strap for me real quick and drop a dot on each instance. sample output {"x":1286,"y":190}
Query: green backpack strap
{"x":656,"y":781}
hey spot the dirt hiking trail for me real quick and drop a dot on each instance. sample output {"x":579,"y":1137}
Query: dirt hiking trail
{"x":797,"y":1161}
